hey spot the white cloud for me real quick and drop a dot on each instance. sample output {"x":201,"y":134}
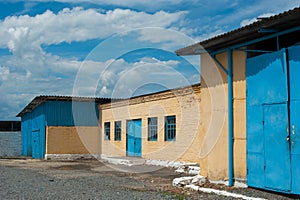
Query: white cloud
{"x":250,"y":21}
{"x":76,"y":25}
{"x":30,"y":71}
{"x":170,"y":63}
{"x":141,"y":74}
{"x":119,"y":78}
{"x":170,"y":39}
{"x":4,"y":73}
{"x":92,"y":78}
{"x":24,"y":35}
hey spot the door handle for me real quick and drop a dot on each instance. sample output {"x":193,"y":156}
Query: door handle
{"x":288,"y":138}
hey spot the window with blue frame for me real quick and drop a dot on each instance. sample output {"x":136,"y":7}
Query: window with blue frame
{"x":152,"y":129}
{"x":170,"y":128}
{"x":107,"y":130}
{"x":118,"y":131}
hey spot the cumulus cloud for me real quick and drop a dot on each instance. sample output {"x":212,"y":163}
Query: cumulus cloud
{"x":76,"y":24}
{"x":30,"y":71}
{"x":173,"y":38}
{"x":118,"y":78}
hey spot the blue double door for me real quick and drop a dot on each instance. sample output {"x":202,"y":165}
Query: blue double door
{"x":273,"y":121}
{"x":134,"y":138}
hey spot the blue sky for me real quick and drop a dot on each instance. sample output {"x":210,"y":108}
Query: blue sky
{"x":109,"y":48}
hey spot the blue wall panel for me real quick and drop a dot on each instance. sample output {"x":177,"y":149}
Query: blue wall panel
{"x":26,"y":135}
{"x":65,"y":113}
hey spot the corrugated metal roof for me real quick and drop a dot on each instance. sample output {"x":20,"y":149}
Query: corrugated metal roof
{"x":252,"y":31}
{"x":155,"y":96}
{"x":40,"y":99}
{"x":164,"y":91}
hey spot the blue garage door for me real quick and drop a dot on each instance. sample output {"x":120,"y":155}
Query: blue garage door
{"x":272,"y":152}
{"x":134,"y":138}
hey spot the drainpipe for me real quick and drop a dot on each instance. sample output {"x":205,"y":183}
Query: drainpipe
{"x":230,"y":119}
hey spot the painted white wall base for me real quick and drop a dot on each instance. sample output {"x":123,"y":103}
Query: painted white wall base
{"x":71,"y":156}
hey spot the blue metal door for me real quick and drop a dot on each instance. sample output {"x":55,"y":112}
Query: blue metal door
{"x":268,"y":152}
{"x":294,"y":69}
{"x":134,"y":138}
{"x":38,"y":137}
{"x":35,"y":143}
{"x":277,"y":152}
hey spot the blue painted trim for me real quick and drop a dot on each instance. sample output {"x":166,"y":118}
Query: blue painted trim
{"x":106,"y":130}
{"x":118,"y":131}
{"x":230,"y":120}
{"x":266,"y":30}
{"x":258,"y":51}
{"x":173,"y":136}
{"x":220,"y":64}
{"x":297,"y":28}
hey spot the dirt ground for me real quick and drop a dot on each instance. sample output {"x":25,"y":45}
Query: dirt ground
{"x":157,"y":181}
{"x":94,"y":179}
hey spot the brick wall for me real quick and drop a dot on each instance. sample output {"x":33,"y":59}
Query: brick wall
{"x":10,"y":144}
{"x":72,"y":140}
{"x":184,"y":103}
{"x":214,"y":112}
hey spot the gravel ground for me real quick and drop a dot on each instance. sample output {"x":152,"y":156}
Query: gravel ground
{"x":35,"y":179}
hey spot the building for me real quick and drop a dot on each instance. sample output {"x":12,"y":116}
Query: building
{"x":254,"y":71}
{"x":240,"y":123}
{"x":10,"y":138}
{"x":59,"y":126}
{"x":157,"y":126}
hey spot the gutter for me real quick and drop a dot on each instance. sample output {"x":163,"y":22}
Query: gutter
{"x":229,"y":73}
{"x":230,"y":112}
{"x":230,"y":119}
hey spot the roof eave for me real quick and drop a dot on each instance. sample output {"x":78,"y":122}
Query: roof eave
{"x":246,"y":33}
{"x":40,"y":99}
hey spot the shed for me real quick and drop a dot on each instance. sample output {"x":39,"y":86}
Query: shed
{"x":256,"y":68}
{"x":60,"y":125}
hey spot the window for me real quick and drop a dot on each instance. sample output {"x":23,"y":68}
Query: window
{"x":170,"y":128}
{"x":152,"y":129}
{"x":107,"y":130}
{"x":118,"y":131}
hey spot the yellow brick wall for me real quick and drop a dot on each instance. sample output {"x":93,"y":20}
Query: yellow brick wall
{"x":182,"y":103}
{"x":239,"y":114}
{"x":72,"y":140}
{"x":213,"y":112}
